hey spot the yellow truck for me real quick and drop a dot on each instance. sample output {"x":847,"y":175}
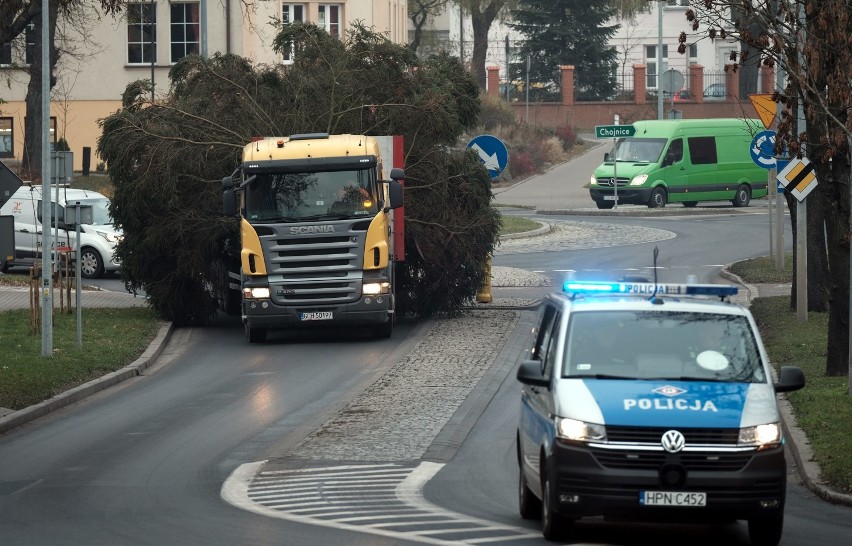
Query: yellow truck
{"x":321,"y":227}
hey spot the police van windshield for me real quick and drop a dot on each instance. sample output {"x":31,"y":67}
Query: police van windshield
{"x":639,"y":150}
{"x":315,"y":196}
{"x":662,"y":345}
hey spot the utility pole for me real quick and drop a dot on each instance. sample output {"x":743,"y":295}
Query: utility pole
{"x":46,"y":205}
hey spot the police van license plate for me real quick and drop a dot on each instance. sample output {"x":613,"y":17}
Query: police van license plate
{"x":672,"y":498}
{"x":318,"y":315}
{"x":609,"y":198}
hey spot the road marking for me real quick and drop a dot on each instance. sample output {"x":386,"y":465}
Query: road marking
{"x":380,"y":499}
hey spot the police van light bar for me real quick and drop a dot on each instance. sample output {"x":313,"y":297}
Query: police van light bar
{"x":648,"y":289}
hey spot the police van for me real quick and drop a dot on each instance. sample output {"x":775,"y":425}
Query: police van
{"x":651,"y":402}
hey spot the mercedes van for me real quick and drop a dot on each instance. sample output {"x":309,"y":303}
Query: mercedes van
{"x":97,"y":240}
{"x":681,"y":161}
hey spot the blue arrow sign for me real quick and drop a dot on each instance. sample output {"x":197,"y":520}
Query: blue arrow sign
{"x":492,"y":152}
{"x":762,"y":149}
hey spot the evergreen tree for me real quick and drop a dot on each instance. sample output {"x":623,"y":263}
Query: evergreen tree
{"x":567,"y":32}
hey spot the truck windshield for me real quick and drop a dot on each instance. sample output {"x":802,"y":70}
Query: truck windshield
{"x":662,"y":345}
{"x":639,"y":150}
{"x":317,"y":195}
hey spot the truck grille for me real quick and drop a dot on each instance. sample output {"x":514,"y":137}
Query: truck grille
{"x":315,"y":268}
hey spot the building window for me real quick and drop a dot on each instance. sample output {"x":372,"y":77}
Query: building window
{"x":678,"y":3}
{"x":29,"y":35}
{"x":7,"y":138}
{"x":141,"y":33}
{"x":291,"y":13}
{"x":6,"y":53}
{"x":329,"y":18}
{"x":693,"y":53}
{"x":52,"y":131}
{"x":186,"y":30}
{"x":651,"y":63}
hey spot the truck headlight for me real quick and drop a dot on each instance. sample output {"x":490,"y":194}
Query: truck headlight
{"x":573,"y":430}
{"x":593,"y":181}
{"x":374,"y":288}
{"x":762,"y":436}
{"x":258,"y":293}
{"x":639,"y":180}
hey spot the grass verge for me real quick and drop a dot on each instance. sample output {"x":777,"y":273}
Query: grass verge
{"x":823,"y":408}
{"x":517,"y":224}
{"x":112,"y":339}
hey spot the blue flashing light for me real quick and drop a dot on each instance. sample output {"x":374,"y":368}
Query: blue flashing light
{"x":648,"y":289}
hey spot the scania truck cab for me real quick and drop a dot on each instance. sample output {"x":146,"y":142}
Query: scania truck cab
{"x":317,"y":227}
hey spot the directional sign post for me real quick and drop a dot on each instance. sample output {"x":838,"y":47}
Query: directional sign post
{"x":492,"y":152}
{"x":614,"y":132}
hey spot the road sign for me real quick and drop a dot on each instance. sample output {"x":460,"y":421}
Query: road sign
{"x":765,"y":108}
{"x":492,"y":152}
{"x":614,"y":131}
{"x":798,"y":178}
{"x":763,"y":149}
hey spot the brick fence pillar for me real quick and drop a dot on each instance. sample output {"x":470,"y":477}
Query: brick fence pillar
{"x":567,"y":84}
{"x":767,"y":79}
{"x":493,"y":80}
{"x":732,"y":84}
{"x":640,"y":82}
{"x":696,"y":82}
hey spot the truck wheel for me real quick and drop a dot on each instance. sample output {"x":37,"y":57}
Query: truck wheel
{"x":91,"y":263}
{"x":4,"y":267}
{"x":742,"y":197}
{"x":605,"y":204}
{"x":658,"y":198}
{"x":254,"y":335}
{"x":766,"y":531}
{"x":384,"y":330}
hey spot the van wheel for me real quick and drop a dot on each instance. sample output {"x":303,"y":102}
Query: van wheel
{"x":528,"y":504}
{"x":766,"y":531}
{"x":605,"y":204}
{"x":91,"y":263}
{"x":689,"y":204}
{"x":658,"y":198}
{"x":743,"y":196}
{"x":553,"y":527}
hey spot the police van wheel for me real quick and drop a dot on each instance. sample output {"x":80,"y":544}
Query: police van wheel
{"x":743,"y":196}
{"x":605,"y":204}
{"x":689,"y":204}
{"x":552,"y":526}
{"x":658,"y":198}
{"x":254,"y":335}
{"x":528,"y":504}
{"x":766,"y":531}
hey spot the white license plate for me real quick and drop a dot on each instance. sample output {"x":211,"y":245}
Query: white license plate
{"x":609,"y":198}
{"x":319,"y":315}
{"x":672,"y":498}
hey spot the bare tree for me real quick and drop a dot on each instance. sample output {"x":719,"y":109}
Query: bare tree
{"x":419,"y":12}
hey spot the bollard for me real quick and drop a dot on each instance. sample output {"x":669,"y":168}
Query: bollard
{"x":484,"y":294}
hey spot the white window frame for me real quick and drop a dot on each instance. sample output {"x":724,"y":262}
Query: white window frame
{"x":325,"y":14}
{"x":145,"y":45}
{"x":173,"y":25}
{"x":652,"y":61}
{"x":292,"y":13}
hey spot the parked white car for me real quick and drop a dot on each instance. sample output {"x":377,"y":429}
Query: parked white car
{"x":97,"y":239}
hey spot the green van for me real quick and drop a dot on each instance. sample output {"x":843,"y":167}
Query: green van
{"x":681,"y":161}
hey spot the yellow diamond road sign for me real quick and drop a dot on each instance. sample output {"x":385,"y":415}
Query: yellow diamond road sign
{"x":798,"y":178}
{"x":765,"y":107}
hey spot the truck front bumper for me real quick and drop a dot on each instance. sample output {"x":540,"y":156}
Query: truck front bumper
{"x":265,"y":313}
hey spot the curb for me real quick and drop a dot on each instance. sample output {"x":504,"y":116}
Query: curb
{"x":796,"y":439}
{"x":146,"y":360}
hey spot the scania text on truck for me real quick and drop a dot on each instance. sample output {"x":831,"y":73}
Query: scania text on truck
{"x":320,"y":231}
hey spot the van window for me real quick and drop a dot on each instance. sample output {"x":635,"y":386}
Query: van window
{"x":675,"y":152}
{"x":702,"y":150}
{"x":543,"y":335}
{"x":643,"y":150}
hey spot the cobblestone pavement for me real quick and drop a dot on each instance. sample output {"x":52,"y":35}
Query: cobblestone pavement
{"x":571,"y":235}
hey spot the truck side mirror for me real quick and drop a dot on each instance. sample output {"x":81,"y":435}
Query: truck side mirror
{"x":228,"y":183}
{"x":395,"y":195}
{"x":397,"y":174}
{"x":229,"y":201}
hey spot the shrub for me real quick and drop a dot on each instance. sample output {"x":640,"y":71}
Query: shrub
{"x":567,"y":135}
{"x":521,"y":164}
{"x":495,"y":113}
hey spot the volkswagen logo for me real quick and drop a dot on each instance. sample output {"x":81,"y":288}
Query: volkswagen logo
{"x":673,"y":441}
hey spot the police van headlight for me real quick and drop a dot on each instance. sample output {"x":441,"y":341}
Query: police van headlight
{"x":257,"y":293}
{"x":762,"y":436}
{"x":639,"y":180}
{"x":593,"y":181}
{"x":573,"y":430}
